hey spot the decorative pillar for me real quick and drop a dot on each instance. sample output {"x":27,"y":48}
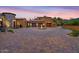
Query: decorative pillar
{"x":14,"y":24}
{"x":36,"y":24}
{"x":1,"y":24}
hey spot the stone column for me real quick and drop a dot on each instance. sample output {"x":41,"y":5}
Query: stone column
{"x":36,"y":24}
{"x":14,"y":24}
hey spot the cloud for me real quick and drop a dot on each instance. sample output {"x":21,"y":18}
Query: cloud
{"x":31,"y":12}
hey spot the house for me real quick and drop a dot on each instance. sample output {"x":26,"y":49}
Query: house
{"x":42,"y":22}
{"x":6,"y":19}
{"x":20,"y":23}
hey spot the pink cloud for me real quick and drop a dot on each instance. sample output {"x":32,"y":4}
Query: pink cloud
{"x":29,"y":13}
{"x":64,"y":14}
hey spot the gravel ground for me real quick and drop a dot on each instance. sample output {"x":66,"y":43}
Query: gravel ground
{"x":34,"y":40}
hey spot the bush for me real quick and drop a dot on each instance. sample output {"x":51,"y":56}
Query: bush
{"x":11,"y":30}
{"x":74,"y":33}
{"x":28,"y":26}
{"x":75,"y":23}
{"x":2,"y":30}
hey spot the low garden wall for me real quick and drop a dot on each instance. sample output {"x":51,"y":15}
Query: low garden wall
{"x":73,"y":27}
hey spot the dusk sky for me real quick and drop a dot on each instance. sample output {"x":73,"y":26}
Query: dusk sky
{"x":28,"y":12}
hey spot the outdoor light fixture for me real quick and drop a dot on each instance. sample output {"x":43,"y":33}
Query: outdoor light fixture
{"x":0,"y":19}
{"x":14,"y":20}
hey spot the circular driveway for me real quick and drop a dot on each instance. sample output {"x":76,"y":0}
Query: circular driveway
{"x":36,"y":40}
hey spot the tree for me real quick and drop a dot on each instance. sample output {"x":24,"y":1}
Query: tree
{"x":59,"y":21}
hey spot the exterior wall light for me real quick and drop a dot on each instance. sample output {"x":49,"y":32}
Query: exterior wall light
{"x":0,"y":19}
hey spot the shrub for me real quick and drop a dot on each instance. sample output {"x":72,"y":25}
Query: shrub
{"x":74,"y":33}
{"x":2,"y":30}
{"x":28,"y":26}
{"x":11,"y":30}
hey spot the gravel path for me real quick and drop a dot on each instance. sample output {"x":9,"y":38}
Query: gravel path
{"x":38,"y":40}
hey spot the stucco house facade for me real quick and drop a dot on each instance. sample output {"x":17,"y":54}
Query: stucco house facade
{"x":42,"y":22}
{"x":20,"y":23}
{"x":6,"y":19}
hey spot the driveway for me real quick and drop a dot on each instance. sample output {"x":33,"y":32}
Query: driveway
{"x":36,"y":40}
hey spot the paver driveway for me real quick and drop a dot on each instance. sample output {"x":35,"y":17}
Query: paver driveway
{"x":38,"y":40}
